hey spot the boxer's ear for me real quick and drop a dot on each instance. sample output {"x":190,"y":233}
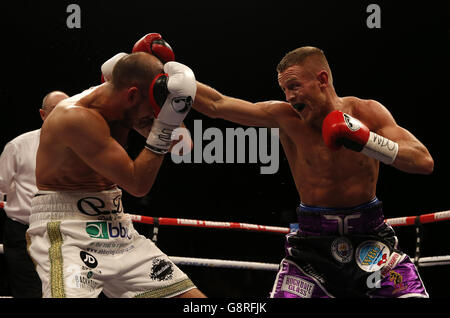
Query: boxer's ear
{"x":42,"y":113}
{"x":323,"y":78}
{"x":133,"y":95}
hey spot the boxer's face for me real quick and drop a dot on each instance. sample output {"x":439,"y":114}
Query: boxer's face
{"x":302,"y":91}
{"x":140,"y":111}
{"x":144,"y":116}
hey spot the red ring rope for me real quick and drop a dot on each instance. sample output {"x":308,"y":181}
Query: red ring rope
{"x":401,"y":221}
{"x":208,"y":224}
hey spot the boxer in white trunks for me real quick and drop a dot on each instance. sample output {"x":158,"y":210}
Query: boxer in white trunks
{"x":80,"y":238}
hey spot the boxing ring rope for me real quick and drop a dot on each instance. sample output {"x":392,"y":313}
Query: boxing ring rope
{"x":422,"y":219}
{"x":401,"y":221}
{"x":418,"y":221}
{"x":207,"y":224}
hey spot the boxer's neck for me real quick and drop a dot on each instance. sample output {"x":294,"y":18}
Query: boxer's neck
{"x":107,"y":101}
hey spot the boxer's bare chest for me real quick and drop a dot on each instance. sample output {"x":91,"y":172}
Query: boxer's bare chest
{"x":326,"y":177}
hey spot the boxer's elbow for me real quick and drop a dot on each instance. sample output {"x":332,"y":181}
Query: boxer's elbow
{"x":417,"y":160}
{"x":137,"y":188}
{"x":423,"y":164}
{"x":138,"y":192}
{"x":418,"y":164}
{"x":427,"y":165}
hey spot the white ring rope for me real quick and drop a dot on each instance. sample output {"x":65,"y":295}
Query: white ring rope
{"x":220,"y":263}
{"x":206,"y":262}
{"x":423,"y":262}
{"x":434,"y":261}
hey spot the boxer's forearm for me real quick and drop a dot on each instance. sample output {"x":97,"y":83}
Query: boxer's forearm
{"x":206,"y":100}
{"x":413,"y":157}
{"x":141,"y":175}
{"x":213,"y":104}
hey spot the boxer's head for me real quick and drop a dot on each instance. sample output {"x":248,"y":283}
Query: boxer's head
{"x":305,"y":77}
{"x":50,"y":101}
{"x":131,"y":80}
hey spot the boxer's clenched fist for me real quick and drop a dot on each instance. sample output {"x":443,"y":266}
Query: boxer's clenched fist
{"x":171,"y":96}
{"x":153,"y":43}
{"x":340,"y":129}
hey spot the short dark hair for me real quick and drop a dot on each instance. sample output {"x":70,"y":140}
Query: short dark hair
{"x":136,"y":69}
{"x":302,"y":56}
{"x":299,"y":55}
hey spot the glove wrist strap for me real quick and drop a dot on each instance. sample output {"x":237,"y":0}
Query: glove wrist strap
{"x":381,"y":148}
{"x":160,"y":138}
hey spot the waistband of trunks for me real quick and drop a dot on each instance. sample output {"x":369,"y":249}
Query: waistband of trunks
{"x":99,"y":205}
{"x":361,"y":219}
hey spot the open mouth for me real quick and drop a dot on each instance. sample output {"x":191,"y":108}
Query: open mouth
{"x":299,"y":107}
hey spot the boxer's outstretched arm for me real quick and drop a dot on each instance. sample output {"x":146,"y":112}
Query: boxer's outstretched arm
{"x":216,"y":105}
{"x":88,"y":135}
{"x":412,"y":156}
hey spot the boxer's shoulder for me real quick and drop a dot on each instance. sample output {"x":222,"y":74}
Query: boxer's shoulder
{"x":76,"y":113}
{"x":368,"y":111}
{"x":72,"y":121}
{"x":353,"y":105}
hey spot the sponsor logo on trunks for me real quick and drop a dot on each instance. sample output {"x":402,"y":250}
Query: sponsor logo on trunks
{"x":371,"y":256}
{"x":106,"y":230}
{"x":78,"y":278}
{"x":297,"y":286}
{"x":397,"y":279}
{"x":94,"y":206}
{"x":89,"y":260}
{"x":374,"y":279}
{"x":342,"y":250}
{"x":110,"y":247}
{"x":161,"y":270}
{"x":391,"y":263}
{"x":342,"y":221}
{"x":310,"y":271}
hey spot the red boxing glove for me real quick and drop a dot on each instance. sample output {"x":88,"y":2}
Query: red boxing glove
{"x":340,"y":129}
{"x":153,"y":43}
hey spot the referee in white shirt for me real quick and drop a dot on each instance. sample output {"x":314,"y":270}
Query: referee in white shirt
{"x":18,"y":183}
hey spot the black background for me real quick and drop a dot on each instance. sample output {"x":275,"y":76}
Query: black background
{"x":235,"y":47}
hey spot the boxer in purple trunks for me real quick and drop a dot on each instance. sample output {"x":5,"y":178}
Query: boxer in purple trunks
{"x":334,"y":146}
{"x":345,"y":253}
